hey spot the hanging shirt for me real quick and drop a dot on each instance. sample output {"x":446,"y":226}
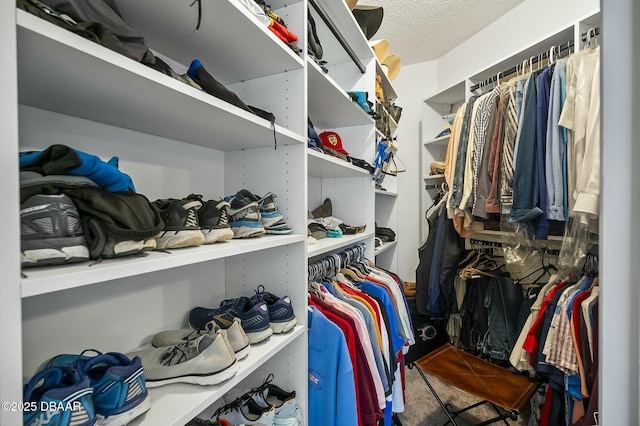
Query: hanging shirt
{"x":493,"y":167}
{"x":452,"y":153}
{"x":510,"y":129}
{"x":459,"y":173}
{"x":542,"y":114}
{"x":482,"y":155}
{"x":331,"y":386}
{"x":555,"y":154}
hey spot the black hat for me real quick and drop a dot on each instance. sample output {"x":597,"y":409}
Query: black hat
{"x":369,"y":18}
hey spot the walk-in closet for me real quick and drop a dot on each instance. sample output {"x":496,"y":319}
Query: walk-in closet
{"x":320,"y":212}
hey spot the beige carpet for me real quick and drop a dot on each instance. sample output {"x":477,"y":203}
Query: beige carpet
{"x":422,"y":409}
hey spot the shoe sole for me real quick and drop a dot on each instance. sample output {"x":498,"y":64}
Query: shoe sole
{"x":126,"y":417}
{"x":259,"y":336}
{"x":283,"y":327}
{"x":247,"y":231}
{"x":270,"y":221}
{"x":54,"y":256}
{"x":244,"y":352}
{"x":203,"y":380}
{"x":216,"y":235}
{"x":279,"y":231}
{"x":179,"y":239}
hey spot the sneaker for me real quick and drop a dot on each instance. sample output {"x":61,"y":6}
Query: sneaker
{"x":271,"y":218}
{"x":245,"y":411}
{"x":206,"y":360}
{"x":254,"y":317}
{"x":244,"y":217}
{"x":119,"y":387}
{"x":181,"y":226}
{"x":284,"y":403}
{"x":213,"y":219}
{"x":200,"y":422}
{"x":50,"y":231}
{"x":281,"y":316}
{"x":54,"y":388}
{"x":236,"y":335}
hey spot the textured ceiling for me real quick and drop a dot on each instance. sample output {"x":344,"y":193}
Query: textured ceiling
{"x":422,"y":30}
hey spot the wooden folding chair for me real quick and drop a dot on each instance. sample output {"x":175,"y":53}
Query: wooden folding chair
{"x":505,"y":391}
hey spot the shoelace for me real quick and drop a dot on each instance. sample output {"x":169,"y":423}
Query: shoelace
{"x":236,"y":403}
{"x":172,"y":352}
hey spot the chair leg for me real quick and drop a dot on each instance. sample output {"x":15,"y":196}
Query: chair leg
{"x":435,"y":394}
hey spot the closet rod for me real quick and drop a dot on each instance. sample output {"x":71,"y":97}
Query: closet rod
{"x":563,"y":46}
{"x":338,"y":35}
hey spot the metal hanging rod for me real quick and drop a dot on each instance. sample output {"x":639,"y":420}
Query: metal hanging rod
{"x":337,"y":34}
{"x":562,"y":47}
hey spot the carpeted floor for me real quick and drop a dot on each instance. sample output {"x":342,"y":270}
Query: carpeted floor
{"x":422,"y":409}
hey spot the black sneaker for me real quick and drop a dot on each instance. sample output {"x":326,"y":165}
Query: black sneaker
{"x":181,"y":225}
{"x":51,"y":232}
{"x":214,"y":219}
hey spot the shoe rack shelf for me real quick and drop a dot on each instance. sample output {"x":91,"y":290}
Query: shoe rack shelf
{"x":326,"y":245}
{"x":442,"y":141}
{"x":45,"y":280}
{"x":387,"y":193}
{"x":385,"y":246}
{"x":176,"y":404}
{"x":173,"y":140}
{"x":322,"y":165}
{"x":329,"y":105}
{"x":132,"y":95}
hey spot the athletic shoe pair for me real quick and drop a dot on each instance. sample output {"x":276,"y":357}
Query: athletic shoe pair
{"x":81,"y":390}
{"x":254,"y":216}
{"x":207,"y":359}
{"x":261,"y":315}
{"x":267,"y":404}
{"x":192,"y":222}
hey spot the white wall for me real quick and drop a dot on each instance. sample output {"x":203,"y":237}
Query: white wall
{"x":411,"y":85}
{"x":525,"y":25}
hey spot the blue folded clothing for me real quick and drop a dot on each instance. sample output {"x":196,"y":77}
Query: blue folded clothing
{"x":63,"y":160}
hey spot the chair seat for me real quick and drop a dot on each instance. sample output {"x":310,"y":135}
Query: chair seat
{"x":479,"y":377}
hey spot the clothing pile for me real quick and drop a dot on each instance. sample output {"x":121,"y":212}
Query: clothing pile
{"x":322,"y":224}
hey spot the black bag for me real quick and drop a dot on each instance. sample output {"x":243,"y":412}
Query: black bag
{"x":385,"y":234}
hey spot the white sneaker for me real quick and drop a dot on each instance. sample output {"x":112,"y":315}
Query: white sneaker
{"x":235,"y":334}
{"x":206,"y":360}
{"x":245,"y":411}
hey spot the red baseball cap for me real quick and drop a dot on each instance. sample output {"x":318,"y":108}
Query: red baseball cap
{"x":332,"y":140}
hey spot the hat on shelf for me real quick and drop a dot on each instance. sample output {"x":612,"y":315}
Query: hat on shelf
{"x":351,"y":3}
{"x":391,"y":65}
{"x":369,"y":18}
{"x":332,"y":141}
{"x":380,"y":48}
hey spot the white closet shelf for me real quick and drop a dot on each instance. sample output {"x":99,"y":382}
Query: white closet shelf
{"x":330,"y":106}
{"x":343,"y":19}
{"x":229,"y":55}
{"x":442,"y":141}
{"x":63,"y":72}
{"x":384,"y":247}
{"x":387,"y":87}
{"x":388,"y":193}
{"x":51,"y":279}
{"x":452,"y":95}
{"x":325,"y":166}
{"x":177,"y":404}
{"x":326,"y":245}
{"x":433,"y":177}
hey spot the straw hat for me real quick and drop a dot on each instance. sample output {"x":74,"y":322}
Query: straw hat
{"x":380,"y":48}
{"x":351,"y":3}
{"x":391,"y":64}
{"x":369,"y":18}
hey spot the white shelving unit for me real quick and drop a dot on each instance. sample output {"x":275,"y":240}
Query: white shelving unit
{"x":385,"y":246}
{"x":437,"y":142}
{"x":322,"y":165}
{"x":173,"y":140}
{"x":328,"y":245}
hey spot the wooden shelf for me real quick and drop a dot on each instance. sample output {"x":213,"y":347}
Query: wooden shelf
{"x":63,"y":72}
{"x":325,"y":166}
{"x":177,"y":404}
{"x":51,"y":279}
{"x":384,"y":247}
{"x":330,"y":107}
{"x":326,"y":245}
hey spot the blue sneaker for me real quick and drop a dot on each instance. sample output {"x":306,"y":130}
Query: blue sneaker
{"x":254,"y":317}
{"x":271,"y":218}
{"x":60,"y":397}
{"x":281,"y":316}
{"x":244,"y":217}
{"x":119,"y":387}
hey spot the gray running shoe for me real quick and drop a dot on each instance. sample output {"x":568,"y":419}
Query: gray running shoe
{"x":206,"y":360}
{"x":50,"y":231}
